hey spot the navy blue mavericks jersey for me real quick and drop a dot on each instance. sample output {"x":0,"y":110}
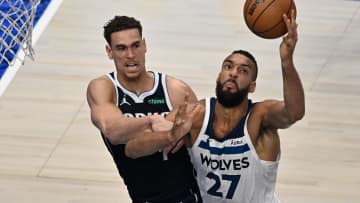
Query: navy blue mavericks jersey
{"x":154,"y":175}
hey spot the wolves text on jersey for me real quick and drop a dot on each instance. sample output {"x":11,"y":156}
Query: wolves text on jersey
{"x":222,"y":164}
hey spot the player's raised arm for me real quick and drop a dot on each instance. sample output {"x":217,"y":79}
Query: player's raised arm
{"x":283,"y":114}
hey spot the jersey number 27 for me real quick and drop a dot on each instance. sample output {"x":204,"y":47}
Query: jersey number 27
{"x":214,"y":189}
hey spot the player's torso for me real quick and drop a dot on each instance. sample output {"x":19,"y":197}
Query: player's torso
{"x":149,"y":175}
{"x":228,"y":169}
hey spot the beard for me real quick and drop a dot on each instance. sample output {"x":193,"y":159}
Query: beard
{"x":228,"y":99}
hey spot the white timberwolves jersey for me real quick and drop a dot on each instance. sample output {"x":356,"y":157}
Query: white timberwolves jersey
{"x":228,"y":169}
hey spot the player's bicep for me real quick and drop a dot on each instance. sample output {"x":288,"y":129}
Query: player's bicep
{"x":106,"y":112}
{"x":275,"y":115}
{"x":102,"y":101}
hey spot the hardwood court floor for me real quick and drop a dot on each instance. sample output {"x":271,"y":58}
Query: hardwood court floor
{"x":50,"y":152}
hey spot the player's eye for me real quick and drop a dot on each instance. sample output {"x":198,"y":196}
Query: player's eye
{"x":137,"y":45}
{"x":242,"y":70}
{"x":121,"y":48}
{"x":227,"y":66}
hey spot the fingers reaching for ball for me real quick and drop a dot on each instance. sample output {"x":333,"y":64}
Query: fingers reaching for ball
{"x":291,"y":26}
{"x":289,"y":41}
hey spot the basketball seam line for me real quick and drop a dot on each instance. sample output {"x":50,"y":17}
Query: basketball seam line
{"x":245,"y":12}
{"x":257,"y":18}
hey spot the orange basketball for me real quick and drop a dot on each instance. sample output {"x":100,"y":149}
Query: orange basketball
{"x":264,"y":17}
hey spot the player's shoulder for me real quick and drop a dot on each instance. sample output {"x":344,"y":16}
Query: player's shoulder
{"x":265,"y":104}
{"x":178,"y":89}
{"x":175,"y":82}
{"x":100,"y":84}
{"x":102,"y":80}
{"x":263,"y":109}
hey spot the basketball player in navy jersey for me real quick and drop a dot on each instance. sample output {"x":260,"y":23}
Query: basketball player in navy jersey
{"x":233,"y":142}
{"x":125,"y":102}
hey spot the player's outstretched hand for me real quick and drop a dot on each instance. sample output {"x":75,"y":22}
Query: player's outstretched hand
{"x":289,"y":41}
{"x":182,"y":124}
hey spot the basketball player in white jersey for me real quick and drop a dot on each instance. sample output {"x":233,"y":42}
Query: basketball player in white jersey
{"x":234,"y":143}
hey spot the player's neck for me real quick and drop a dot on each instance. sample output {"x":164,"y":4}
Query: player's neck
{"x":143,"y":83}
{"x":228,"y":113}
{"x":227,"y":118}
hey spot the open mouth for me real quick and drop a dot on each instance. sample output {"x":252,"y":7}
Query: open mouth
{"x":131,"y":65}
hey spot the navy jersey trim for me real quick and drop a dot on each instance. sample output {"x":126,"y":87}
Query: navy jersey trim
{"x":224,"y":150}
{"x":236,"y":132}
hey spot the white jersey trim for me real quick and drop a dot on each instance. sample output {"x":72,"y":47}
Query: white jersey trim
{"x":139,"y":98}
{"x":252,"y":148}
{"x":116,"y":90}
{"x":165,"y":89}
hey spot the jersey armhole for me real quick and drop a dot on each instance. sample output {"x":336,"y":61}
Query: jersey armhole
{"x":115,"y":86}
{"x":252,"y":147}
{"x":166,"y":93}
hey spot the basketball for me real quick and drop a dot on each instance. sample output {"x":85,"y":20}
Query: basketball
{"x":264,"y":17}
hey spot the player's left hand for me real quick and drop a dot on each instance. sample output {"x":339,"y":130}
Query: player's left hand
{"x":289,"y":41}
{"x":182,"y":124}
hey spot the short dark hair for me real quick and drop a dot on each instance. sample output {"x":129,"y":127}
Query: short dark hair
{"x":119,"y":23}
{"x":249,"y":56}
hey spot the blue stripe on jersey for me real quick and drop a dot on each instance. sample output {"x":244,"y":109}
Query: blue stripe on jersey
{"x":224,"y":150}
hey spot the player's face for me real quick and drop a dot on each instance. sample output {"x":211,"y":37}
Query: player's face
{"x":128,"y":52}
{"x":230,"y":99}
{"x":235,"y":80}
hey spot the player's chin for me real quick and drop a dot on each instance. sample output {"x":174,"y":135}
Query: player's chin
{"x":132,"y":74}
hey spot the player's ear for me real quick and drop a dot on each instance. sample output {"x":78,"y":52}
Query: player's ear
{"x":144,"y":44}
{"x":109,"y":51}
{"x":252,"y":87}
